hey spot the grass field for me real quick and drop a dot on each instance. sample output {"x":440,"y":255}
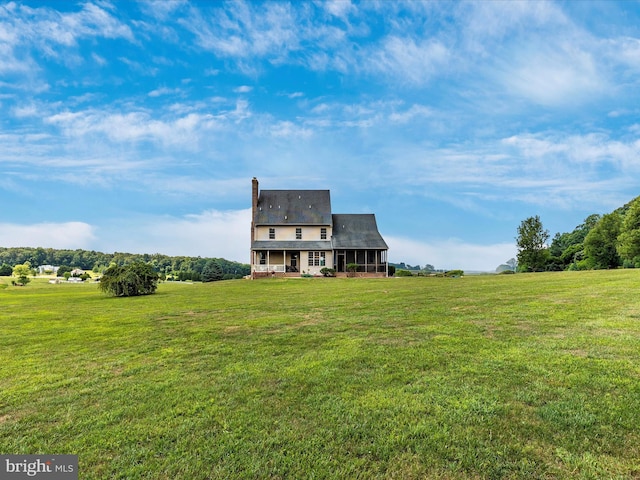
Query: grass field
{"x":519,"y":376}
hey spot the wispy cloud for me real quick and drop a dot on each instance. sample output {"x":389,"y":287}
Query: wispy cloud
{"x":49,"y":235}
{"x":407,"y":59}
{"x":558,"y":75}
{"x":246,"y":30}
{"x":213,"y":233}
{"x":158,"y":92}
{"x":51,"y":32}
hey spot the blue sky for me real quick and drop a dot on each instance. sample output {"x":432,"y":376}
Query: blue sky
{"x":137,"y":126}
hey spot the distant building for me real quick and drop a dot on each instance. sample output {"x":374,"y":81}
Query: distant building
{"x":295,"y":232}
{"x":47,"y":268}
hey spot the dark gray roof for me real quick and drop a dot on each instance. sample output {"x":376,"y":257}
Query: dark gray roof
{"x":283,"y":207}
{"x":290,"y":245}
{"x":356,"y":231}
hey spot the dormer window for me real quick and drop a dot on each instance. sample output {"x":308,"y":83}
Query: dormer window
{"x":298,"y":233}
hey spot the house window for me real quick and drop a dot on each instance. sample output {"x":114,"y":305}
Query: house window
{"x":272,"y":234}
{"x":316,"y":259}
{"x":323,"y":234}
{"x":298,"y":233}
{"x":263,"y":258}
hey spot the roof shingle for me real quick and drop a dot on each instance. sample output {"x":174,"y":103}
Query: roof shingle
{"x":286,"y":207}
{"x":356,"y":231}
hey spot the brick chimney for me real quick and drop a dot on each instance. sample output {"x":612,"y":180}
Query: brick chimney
{"x":254,"y":196}
{"x":254,"y":210}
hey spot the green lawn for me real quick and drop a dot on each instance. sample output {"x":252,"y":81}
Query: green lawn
{"x":511,"y":376}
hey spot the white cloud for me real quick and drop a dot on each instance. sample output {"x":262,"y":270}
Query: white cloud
{"x":409,"y":60}
{"x":95,"y":21}
{"x":246,"y":30}
{"x":339,"y":8}
{"x":289,"y":129}
{"x":158,"y":92}
{"x":48,"y":29}
{"x":589,"y":148}
{"x":29,"y":110}
{"x":100,"y":60}
{"x":162,"y":9}
{"x":562,"y":74}
{"x":406,"y":116}
{"x":450,"y":254}
{"x":70,"y":235}
{"x":213,"y":233}
{"x":139,"y":126}
{"x":483,"y":25}
{"x":626,"y":50}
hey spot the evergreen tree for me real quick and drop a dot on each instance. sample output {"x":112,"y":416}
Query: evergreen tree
{"x":212,"y":272}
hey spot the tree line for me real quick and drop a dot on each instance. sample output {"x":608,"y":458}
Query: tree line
{"x":172,"y":268}
{"x":604,"y":241}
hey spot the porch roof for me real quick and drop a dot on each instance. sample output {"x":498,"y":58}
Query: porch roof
{"x":291,"y":245}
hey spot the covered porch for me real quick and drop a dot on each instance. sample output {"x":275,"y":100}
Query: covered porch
{"x":289,"y":258}
{"x":276,"y":262}
{"x":372,"y":262}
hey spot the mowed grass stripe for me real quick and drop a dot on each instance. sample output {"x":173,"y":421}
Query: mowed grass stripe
{"x":521,"y":376}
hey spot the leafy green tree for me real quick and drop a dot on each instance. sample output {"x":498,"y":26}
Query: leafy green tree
{"x":23,"y":272}
{"x":131,"y":280}
{"x":600,"y":243}
{"x":6,"y":270}
{"x":531,"y":243}
{"x":62,"y":270}
{"x":572,"y":254}
{"x":629,"y":239}
{"x":212,"y":272}
{"x":565,"y":248}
